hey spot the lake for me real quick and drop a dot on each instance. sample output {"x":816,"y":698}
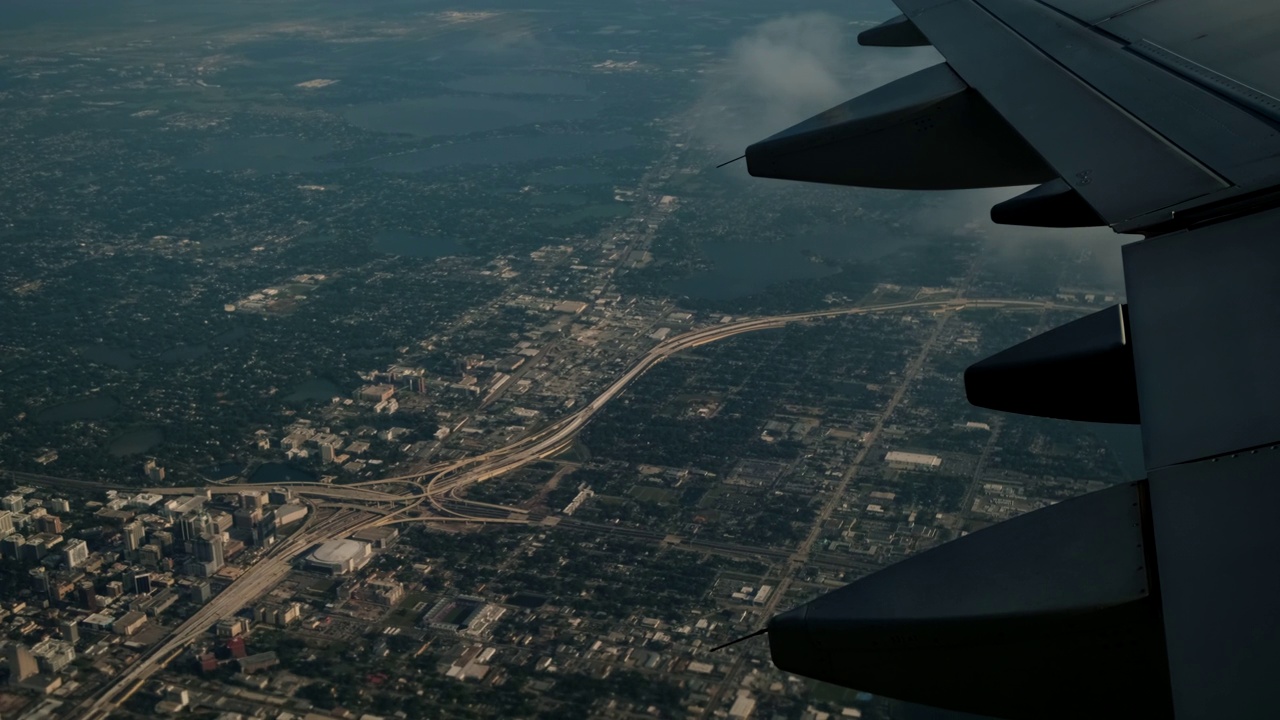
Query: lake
{"x":94,"y":408}
{"x":407,"y":244}
{"x":1125,"y":441}
{"x":498,"y":151}
{"x":138,"y":440}
{"x":315,"y":389}
{"x":267,"y":154}
{"x":182,"y":353}
{"x":573,"y":176}
{"x":463,"y":114}
{"x":268,"y":473}
{"x":118,"y":358}
{"x":522,"y":84}
{"x":223,"y":470}
{"x":741,"y":269}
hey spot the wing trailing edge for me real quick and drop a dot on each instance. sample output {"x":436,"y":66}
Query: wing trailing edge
{"x":1050,"y":615}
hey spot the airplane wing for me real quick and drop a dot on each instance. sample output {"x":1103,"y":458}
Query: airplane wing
{"x":1158,"y":598}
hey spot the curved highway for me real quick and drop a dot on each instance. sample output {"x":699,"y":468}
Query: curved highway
{"x":444,"y":483}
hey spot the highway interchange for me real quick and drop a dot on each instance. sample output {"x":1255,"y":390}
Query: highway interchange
{"x":432,"y":493}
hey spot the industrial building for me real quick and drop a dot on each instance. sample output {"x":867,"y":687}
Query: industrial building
{"x":286,"y":514}
{"x":913,"y":461}
{"x":380,"y":537}
{"x":463,"y":614}
{"x":129,"y":623}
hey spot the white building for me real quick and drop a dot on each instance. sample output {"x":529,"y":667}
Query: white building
{"x":287,"y":514}
{"x":913,"y":460}
{"x":53,"y":655}
{"x":146,"y":500}
{"x":743,"y":706}
{"x":76,"y":553}
{"x":340,"y":556}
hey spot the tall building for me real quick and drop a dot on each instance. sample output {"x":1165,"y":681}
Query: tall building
{"x":39,"y":580}
{"x":253,"y":500}
{"x":154,"y":472}
{"x":326,"y":453}
{"x":53,"y":655}
{"x":199,"y":592}
{"x":247,"y":519}
{"x":151,"y":555}
{"x":22,"y":664}
{"x":137,"y":581}
{"x":164,"y":539}
{"x":6,"y":522}
{"x":87,"y":595}
{"x":11,"y":545}
{"x":13,"y":503}
{"x":192,"y":525}
{"x":61,"y":505}
{"x":134,"y":533}
{"x":76,"y":553}
{"x":209,"y":550}
{"x":49,"y":524}
{"x":70,"y":630}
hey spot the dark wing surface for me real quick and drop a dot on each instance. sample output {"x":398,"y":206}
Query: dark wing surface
{"x":1159,"y":598}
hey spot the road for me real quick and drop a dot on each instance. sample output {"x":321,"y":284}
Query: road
{"x":264,"y":575}
{"x":554,"y":438}
{"x":439,"y":486}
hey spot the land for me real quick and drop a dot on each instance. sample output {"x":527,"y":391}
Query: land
{"x":462,"y":288}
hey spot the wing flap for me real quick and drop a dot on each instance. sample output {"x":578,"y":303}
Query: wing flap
{"x":1238,"y":39}
{"x":1120,"y":166}
{"x":1057,"y":604}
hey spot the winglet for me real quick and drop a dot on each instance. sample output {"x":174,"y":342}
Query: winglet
{"x":757,"y":633}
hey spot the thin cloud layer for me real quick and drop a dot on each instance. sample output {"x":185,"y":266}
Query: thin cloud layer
{"x":789,"y":69}
{"x":793,"y":67}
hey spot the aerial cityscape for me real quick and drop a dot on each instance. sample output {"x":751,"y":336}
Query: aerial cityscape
{"x":403,"y":359}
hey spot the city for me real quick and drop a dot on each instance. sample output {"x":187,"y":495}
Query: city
{"x":508,"y":409}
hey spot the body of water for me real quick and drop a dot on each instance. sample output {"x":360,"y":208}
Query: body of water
{"x":94,"y":408}
{"x":315,"y":389}
{"x":398,"y":242}
{"x":269,"y":473}
{"x":138,"y":440}
{"x":497,"y":151}
{"x":741,"y":269}
{"x":222,"y":471}
{"x":182,"y":353}
{"x":522,"y":84}
{"x":463,"y":114}
{"x":574,"y":176}
{"x":268,"y":154}
{"x":1125,"y":441}
{"x":106,"y":355}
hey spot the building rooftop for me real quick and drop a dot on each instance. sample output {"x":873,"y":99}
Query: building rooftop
{"x":338,"y":551}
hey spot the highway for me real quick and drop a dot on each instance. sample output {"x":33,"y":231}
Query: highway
{"x":264,"y":575}
{"x":440,"y":484}
{"x":556,"y":437}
